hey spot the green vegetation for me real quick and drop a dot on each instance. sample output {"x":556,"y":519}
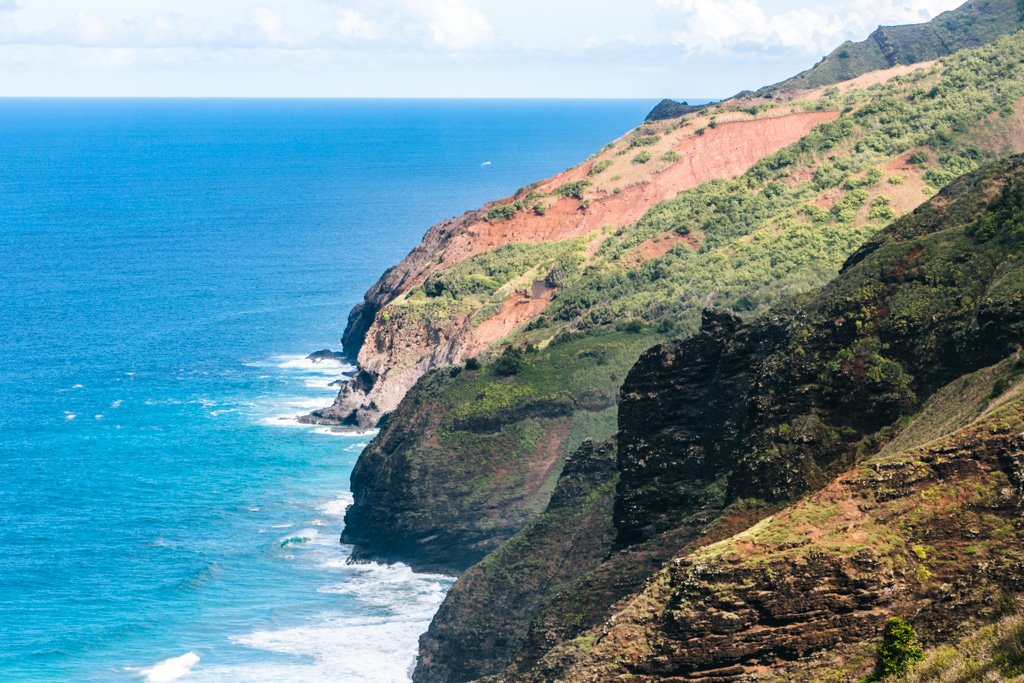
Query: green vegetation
{"x":898,"y":651}
{"x":762,"y":236}
{"x":600,"y":167}
{"x":503,"y":212}
{"x":642,"y":157}
{"x":644,"y":141}
{"x":483,"y":278}
{"x":572,"y":189}
{"x":670,"y":157}
{"x":994,"y":652}
{"x":509,"y":363}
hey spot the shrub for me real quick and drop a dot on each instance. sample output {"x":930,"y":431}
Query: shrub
{"x":510,"y":362}
{"x":599,"y":167}
{"x":574,"y":189}
{"x":540,"y":209}
{"x":472,"y":364}
{"x":644,"y":141}
{"x":502,"y":213}
{"x":918,"y":158}
{"x":897,"y":652}
{"x":642,"y":158}
{"x":701,"y":131}
{"x":670,"y":157}
{"x":1000,"y":387}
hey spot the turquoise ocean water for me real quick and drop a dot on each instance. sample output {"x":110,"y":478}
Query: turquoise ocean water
{"x":164,"y":268}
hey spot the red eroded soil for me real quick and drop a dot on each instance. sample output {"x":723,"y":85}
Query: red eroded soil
{"x":652,"y":249}
{"x":723,"y":152}
{"x":515,"y":311}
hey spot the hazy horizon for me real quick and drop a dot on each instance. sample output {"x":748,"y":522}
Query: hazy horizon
{"x":425,"y":49}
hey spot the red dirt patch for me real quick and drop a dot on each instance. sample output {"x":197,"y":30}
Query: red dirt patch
{"x":515,"y":311}
{"x":723,"y":152}
{"x":658,"y":247}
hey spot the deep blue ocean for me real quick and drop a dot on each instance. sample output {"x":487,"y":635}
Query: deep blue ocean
{"x":165,"y":266}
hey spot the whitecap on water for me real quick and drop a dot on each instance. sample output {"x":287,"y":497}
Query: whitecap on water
{"x":170,"y":669}
{"x":336,"y":507}
{"x":340,"y":648}
{"x":396,"y":588}
{"x":323,"y":366}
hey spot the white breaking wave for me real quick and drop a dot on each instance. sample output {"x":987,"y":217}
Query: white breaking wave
{"x":304,"y":364}
{"x":170,"y":669}
{"x":336,"y":507}
{"x":348,"y":649}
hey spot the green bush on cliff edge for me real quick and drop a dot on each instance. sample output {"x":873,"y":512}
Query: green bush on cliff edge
{"x":897,"y":652}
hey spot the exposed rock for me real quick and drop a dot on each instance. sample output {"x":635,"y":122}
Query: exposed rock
{"x":326,"y":354}
{"x":416,"y":504}
{"x":484,"y":619}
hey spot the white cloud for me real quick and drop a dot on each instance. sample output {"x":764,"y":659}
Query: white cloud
{"x":420,"y":47}
{"x":354,"y":25}
{"x":456,"y":26}
{"x":723,"y":25}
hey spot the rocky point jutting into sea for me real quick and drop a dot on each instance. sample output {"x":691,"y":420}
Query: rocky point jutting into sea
{"x":726,"y":399}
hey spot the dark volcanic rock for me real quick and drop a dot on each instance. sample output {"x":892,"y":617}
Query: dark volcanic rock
{"x":484,"y":618}
{"x":670,"y":109}
{"x":326,"y":354}
{"x":415,"y":501}
{"x":681,"y":413}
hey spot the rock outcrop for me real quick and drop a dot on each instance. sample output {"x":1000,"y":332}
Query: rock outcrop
{"x":469,"y":638}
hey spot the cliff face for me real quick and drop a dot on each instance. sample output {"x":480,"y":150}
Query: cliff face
{"x":469,"y":637}
{"x":933,"y":534}
{"x":890,"y":393}
{"x":471,"y":459}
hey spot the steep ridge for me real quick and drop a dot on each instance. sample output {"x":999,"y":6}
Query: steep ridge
{"x":483,"y":454}
{"x":893,"y":395}
{"x":972,"y":24}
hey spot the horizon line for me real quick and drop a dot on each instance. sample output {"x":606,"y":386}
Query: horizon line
{"x":702,"y":100}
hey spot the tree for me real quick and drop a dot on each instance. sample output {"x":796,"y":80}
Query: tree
{"x":510,"y":362}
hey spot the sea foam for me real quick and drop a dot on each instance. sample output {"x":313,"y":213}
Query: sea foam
{"x":170,"y":669}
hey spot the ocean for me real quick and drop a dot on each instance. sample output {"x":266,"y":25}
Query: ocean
{"x":165,"y":267}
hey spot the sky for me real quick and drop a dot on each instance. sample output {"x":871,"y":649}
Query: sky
{"x":426,"y":48}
